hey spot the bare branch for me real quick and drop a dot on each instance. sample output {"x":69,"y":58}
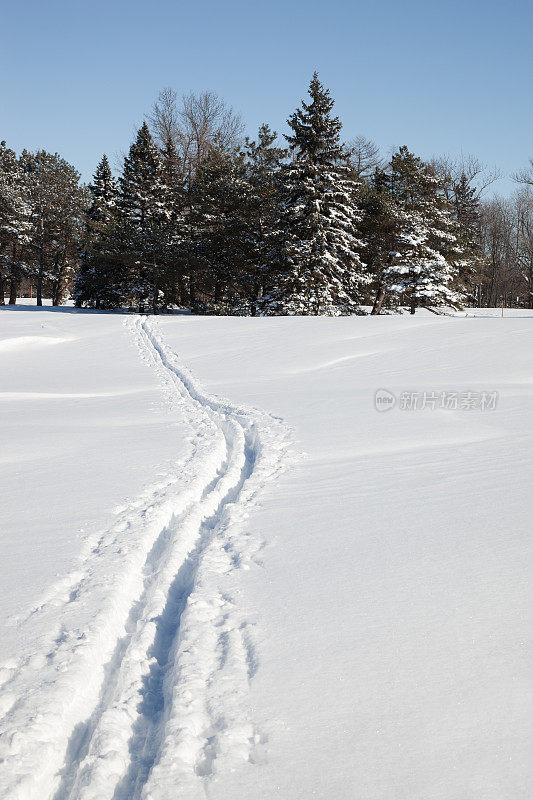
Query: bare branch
{"x":364,"y":156}
{"x":525,"y":176}
{"x":477,"y":174}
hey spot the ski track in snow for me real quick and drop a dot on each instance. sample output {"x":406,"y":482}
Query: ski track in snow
{"x":148,"y":698}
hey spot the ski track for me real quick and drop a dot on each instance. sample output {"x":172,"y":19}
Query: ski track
{"x":146,"y":699}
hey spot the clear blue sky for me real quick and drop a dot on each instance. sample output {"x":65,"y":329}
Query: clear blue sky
{"x":446,"y":77}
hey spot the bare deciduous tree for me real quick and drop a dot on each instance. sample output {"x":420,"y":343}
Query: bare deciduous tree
{"x":195,"y":125}
{"x":507,"y":233}
{"x":525,"y":176}
{"x":165,"y":118}
{"x":524,"y":239}
{"x":364,"y":156}
{"x":478,"y":175}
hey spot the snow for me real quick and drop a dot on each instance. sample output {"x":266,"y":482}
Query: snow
{"x":282,"y":594}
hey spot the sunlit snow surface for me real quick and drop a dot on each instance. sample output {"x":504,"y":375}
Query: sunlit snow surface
{"x":285,"y":593}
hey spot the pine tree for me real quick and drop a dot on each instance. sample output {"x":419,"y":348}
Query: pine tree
{"x":318,"y":268}
{"x":423,"y":272}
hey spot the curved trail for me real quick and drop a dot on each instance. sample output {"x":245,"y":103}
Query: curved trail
{"x":149,"y":698}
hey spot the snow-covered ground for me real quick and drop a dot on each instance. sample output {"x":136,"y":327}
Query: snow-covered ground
{"x":287,"y":593}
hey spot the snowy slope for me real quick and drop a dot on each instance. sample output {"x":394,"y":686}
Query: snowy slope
{"x":344,"y":618}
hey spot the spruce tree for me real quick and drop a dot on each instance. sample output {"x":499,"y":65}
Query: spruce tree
{"x":317,"y":263}
{"x":423,"y":272}
{"x":220,"y":245}
{"x":232,"y":222}
{"x":263,"y":165}
{"x":142,"y":217}
{"x":57,"y":202}
{"x":172,"y":186}
{"x":380,"y":227}
{"x":15,"y":223}
{"x":470,"y":259}
{"x":141,"y":180}
{"x":100,"y":277}
{"x":171,"y":225}
{"x":104,"y":194}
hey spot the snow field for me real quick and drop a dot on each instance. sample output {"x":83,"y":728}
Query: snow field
{"x":358,"y":627}
{"x":91,"y":736}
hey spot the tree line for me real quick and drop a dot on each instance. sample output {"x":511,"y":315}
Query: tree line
{"x":203,"y":218}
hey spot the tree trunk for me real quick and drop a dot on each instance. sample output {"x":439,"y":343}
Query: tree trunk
{"x":41,"y":269}
{"x":58,"y":294}
{"x":378,"y":302}
{"x":58,"y":288}
{"x":2,"y":300}
{"x":180,"y":291}
{"x":155,"y":293}
{"x":13,"y":292}
{"x":413,"y":305}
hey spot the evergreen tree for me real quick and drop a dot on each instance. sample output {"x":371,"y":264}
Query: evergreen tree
{"x":141,"y":181}
{"x":171,"y":225}
{"x":471,"y":260}
{"x":230,"y":224}
{"x":104,"y":195}
{"x":57,"y":202}
{"x":423,"y":272}
{"x":263,"y":165}
{"x":172,"y":186}
{"x":317,"y":263}
{"x":142,"y":235}
{"x":380,"y":227}
{"x":15,"y":223}
{"x":100,"y":278}
{"x":220,"y":246}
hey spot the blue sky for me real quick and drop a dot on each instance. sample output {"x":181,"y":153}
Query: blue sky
{"x":448,"y":77}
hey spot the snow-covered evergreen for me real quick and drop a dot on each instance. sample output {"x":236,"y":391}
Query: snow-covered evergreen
{"x":104,"y":194}
{"x":423,"y":271}
{"x":57,"y":202}
{"x":99,"y":280}
{"x":264,"y":159}
{"x":144,"y":236}
{"x":141,"y":181}
{"x":15,"y":222}
{"x":246,"y":227}
{"x":318,"y":269}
